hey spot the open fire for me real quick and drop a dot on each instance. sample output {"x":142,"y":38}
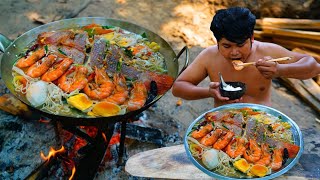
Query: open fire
{"x":83,"y":152}
{"x":77,"y":151}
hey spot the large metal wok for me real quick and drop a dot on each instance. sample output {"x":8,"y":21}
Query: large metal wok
{"x":12,"y":48}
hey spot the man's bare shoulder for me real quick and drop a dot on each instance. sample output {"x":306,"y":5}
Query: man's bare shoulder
{"x":266,"y":48}
{"x":265,"y":44}
{"x":210,"y":50}
{"x":207,"y":53}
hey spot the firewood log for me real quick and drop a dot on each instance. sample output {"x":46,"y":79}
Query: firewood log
{"x":14,"y":106}
{"x":291,"y":43}
{"x":285,"y":23}
{"x":310,"y":35}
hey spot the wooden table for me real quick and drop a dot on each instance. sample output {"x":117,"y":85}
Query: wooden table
{"x":172,"y":163}
{"x":168,"y":162}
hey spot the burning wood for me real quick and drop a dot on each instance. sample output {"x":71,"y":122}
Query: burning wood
{"x":53,"y":158}
{"x":52,"y":153}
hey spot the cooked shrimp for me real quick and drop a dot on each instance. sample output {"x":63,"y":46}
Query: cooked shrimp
{"x":102,"y":86}
{"x":253,"y":154}
{"x":74,"y":78}
{"x":266,"y":156}
{"x":31,"y":59}
{"x":211,"y":138}
{"x":57,"y":70}
{"x":138,"y":96}
{"x":236,"y":147}
{"x":204,"y":130}
{"x":223,"y":141}
{"x":40,"y":67}
{"x":121,"y":92}
{"x":277,"y":157}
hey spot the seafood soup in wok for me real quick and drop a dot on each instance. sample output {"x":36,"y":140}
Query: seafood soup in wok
{"x":95,"y":70}
{"x":243,"y":142}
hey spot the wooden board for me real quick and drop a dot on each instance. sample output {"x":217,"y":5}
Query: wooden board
{"x":168,"y":162}
{"x":314,"y":36}
{"x":304,"y":90}
{"x":306,"y":24}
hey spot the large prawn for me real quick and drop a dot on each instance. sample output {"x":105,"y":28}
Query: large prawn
{"x":266,"y":155}
{"x":57,"y":70}
{"x":253,"y":154}
{"x":277,"y":158}
{"x":121,"y":92}
{"x":202,"y":131}
{"x":236,"y":147}
{"x":223,"y":141}
{"x":41,"y":66}
{"x":102,"y":86}
{"x":75,"y":78}
{"x":211,"y":138}
{"x":31,"y":58}
{"x":138,"y":96}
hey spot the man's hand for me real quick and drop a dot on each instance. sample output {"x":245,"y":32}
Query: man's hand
{"x":267,"y":69}
{"x":215,"y":93}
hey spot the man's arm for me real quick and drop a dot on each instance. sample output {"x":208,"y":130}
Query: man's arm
{"x":301,"y":66}
{"x":185,"y":85}
{"x":188,"y":91}
{"x":305,"y":68}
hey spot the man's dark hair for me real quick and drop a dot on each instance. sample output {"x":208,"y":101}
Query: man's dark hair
{"x":236,"y":24}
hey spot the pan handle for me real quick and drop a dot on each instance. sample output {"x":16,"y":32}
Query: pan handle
{"x":186,"y":63}
{"x":4,"y":42}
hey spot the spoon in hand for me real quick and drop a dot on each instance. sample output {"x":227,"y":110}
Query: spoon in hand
{"x":239,"y":65}
{"x":222,"y":81}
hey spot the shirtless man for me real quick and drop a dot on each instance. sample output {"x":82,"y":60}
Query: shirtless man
{"x":233,"y":29}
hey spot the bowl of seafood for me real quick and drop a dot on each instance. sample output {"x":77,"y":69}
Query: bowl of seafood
{"x":243,"y":141}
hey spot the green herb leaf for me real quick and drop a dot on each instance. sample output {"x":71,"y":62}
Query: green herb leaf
{"x":90,"y":32}
{"x":225,"y":126}
{"x":264,"y":136}
{"x":46,"y":49}
{"x":128,"y":52}
{"x":107,"y":27}
{"x":119,"y":66}
{"x":60,"y":51}
{"x":244,"y":113}
{"x":144,"y":35}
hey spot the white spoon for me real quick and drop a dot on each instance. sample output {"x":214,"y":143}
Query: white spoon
{"x":222,"y":81}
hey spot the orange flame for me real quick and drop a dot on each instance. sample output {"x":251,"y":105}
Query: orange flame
{"x":104,"y":137}
{"x":44,"y":120}
{"x":52,"y":153}
{"x":73,"y":172}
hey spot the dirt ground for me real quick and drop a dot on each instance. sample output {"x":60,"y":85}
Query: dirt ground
{"x":180,"y":23}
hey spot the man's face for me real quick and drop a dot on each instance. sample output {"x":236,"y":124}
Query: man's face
{"x":233,"y":51}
